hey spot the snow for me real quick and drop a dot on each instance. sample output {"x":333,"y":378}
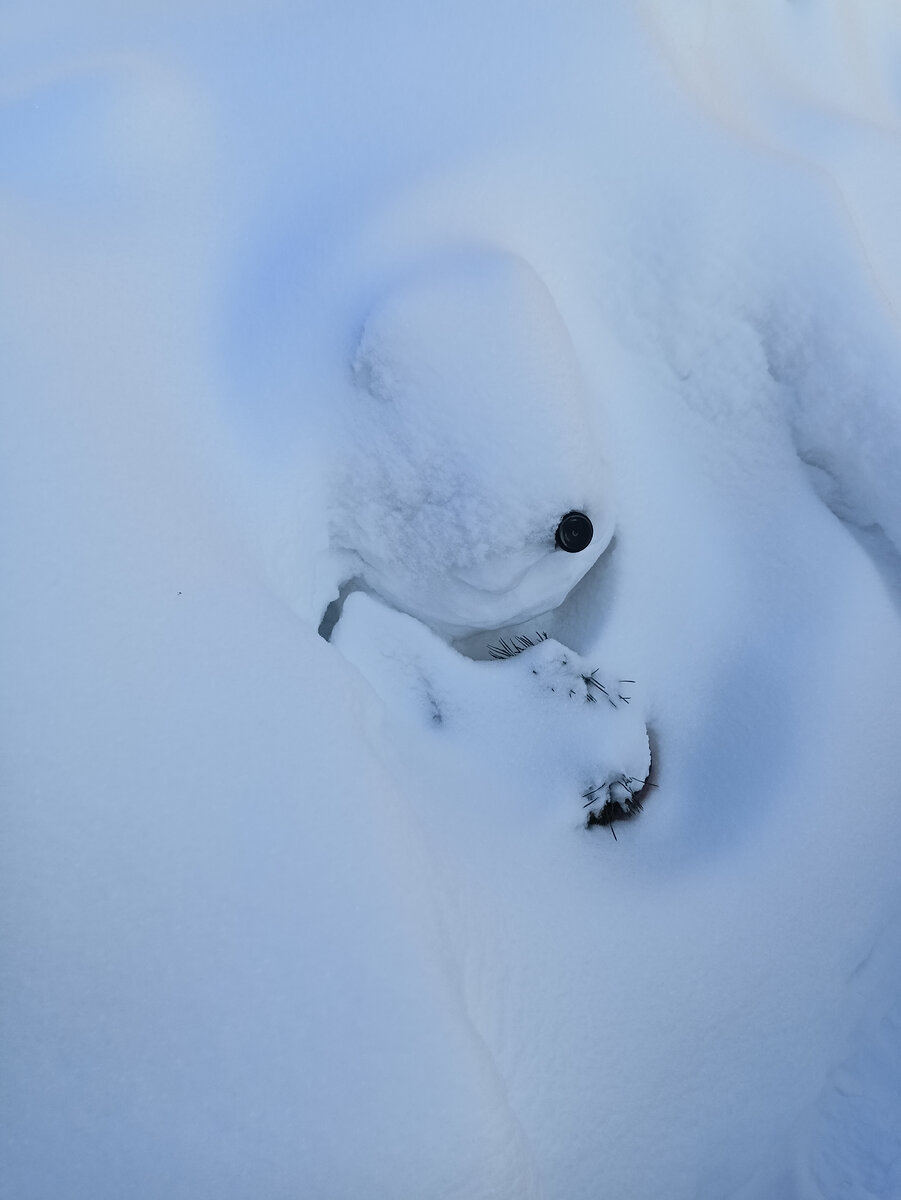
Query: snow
{"x":472,"y":440}
{"x":591,"y":721}
{"x":321,"y":317}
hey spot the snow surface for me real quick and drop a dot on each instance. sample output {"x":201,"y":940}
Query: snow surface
{"x":470,"y":441}
{"x":285,"y":917}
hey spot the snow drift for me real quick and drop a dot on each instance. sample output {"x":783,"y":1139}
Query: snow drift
{"x":270,"y":929}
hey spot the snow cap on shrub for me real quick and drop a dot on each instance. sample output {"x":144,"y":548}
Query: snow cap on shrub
{"x":472,"y":440}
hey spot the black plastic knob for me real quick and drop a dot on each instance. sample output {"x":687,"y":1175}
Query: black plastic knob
{"x":574,"y":532}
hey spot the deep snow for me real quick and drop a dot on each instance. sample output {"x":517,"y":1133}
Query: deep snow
{"x":270,"y":928}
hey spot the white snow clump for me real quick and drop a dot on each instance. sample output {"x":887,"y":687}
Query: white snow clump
{"x":471,"y":441}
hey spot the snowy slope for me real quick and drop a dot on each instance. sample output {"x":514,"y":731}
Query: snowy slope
{"x":288,"y":917}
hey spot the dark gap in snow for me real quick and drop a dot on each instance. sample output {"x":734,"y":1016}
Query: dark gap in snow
{"x":332,"y":614}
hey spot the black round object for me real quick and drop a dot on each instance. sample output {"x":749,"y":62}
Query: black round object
{"x":574,"y":532}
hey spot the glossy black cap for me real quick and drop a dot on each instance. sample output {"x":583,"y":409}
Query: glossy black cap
{"x":574,"y":533}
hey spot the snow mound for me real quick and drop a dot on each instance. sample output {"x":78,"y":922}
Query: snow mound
{"x":593,"y":750}
{"x":470,"y":441}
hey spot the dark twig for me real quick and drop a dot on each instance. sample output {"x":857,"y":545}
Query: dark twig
{"x":515,"y":645}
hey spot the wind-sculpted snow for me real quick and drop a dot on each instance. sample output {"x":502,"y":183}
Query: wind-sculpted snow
{"x":339,"y":310}
{"x":591,"y":746}
{"x":470,"y":439}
